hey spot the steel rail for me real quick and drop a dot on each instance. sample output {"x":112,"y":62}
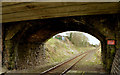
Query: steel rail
{"x":72,"y":65}
{"x":65,"y":71}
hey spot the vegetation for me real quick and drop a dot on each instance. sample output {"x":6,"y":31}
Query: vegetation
{"x":58,"y":50}
{"x":78,"y":39}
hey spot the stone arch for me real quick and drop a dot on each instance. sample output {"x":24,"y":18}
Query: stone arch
{"x":56,"y":26}
{"x":35,"y":32}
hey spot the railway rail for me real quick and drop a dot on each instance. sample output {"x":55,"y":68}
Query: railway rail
{"x":63,"y":68}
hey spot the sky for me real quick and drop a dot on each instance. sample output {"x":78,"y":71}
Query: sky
{"x":92,"y":40}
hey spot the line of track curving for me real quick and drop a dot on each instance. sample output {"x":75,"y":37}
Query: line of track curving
{"x":63,"y":68}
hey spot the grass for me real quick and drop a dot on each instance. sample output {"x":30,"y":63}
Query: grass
{"x":83,"y":49}
{"x":60,"y":51}
{"x":95,"y":60}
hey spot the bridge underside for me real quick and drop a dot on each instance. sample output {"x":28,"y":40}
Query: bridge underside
{"x":24,"y":34}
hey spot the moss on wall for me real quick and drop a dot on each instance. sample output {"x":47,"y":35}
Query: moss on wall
{"x":110,"y":56}
{"x":9,"y":55}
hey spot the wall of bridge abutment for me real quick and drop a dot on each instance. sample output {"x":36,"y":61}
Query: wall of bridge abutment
{"x":108,"y":53}
{"x":116,"y":63}
{"x":23,"y":55}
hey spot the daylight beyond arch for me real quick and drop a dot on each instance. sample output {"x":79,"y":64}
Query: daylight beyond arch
{"x":91,"y":39}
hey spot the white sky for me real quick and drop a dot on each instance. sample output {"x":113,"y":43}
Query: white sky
{"x":92,"y":40}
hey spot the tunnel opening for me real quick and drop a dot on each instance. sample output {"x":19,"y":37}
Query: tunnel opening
{"x":66,"y":45}
{"x":24,"y":41}
{"x":60,"y":48}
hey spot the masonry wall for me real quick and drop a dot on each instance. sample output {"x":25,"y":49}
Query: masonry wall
{"x":30,"y":55}
{"x":23,"y":55}
{"x":108,"y":53}
{"x":8,"y":54}
{"x":116,"y":63}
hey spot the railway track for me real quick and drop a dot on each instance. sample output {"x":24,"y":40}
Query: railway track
{"x":63,"y":68}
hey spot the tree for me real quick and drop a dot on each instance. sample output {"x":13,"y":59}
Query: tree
{"x":79,"y":39}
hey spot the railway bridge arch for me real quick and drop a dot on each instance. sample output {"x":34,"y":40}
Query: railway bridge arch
{"x":23,"y":37}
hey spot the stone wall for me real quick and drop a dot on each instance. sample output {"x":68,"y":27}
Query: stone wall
{"x":24,"y":55}
{"x":116,"y":64}
{"x":30,"y":54}
{"x":108,"y":53}
{"x":8,"y":54}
